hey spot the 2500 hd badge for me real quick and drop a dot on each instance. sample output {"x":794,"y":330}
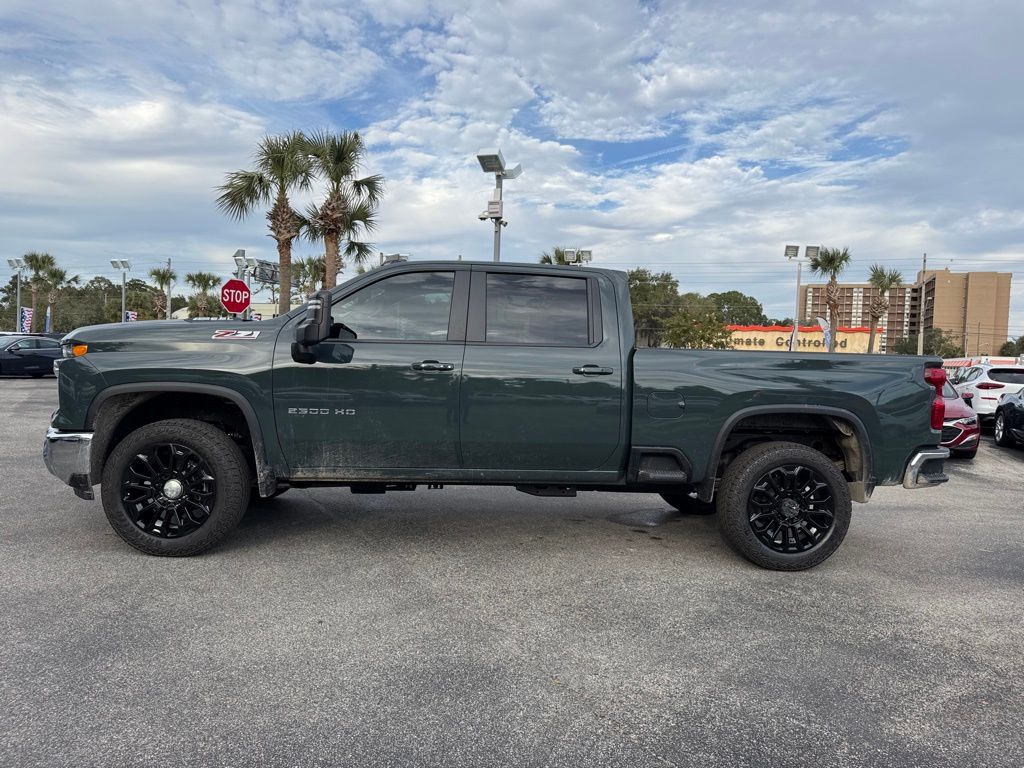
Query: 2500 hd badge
{"x":321,"y":412}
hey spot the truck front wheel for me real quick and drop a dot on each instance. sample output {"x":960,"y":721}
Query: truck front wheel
{"x":783,"y":506}
{"x":175,"y":488}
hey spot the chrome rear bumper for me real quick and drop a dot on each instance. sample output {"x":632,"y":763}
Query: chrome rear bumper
{"x":925,"y":468}
{"x":67,"y":456}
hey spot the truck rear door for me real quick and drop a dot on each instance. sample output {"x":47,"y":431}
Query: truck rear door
{"x":542,"y":382}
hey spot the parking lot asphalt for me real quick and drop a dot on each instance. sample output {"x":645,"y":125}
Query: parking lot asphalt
{"x":485,"y":627}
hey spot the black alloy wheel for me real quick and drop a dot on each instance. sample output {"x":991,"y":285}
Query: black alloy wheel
{"x":790,"y":509}
{"x":783,"y":506}
{"x":168,"y":490}
{"x":175,"y":488}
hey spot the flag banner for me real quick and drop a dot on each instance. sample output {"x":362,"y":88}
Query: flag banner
{"x":26,"y":319}
{"x":131,"y":316}
{"x":48,"y":325}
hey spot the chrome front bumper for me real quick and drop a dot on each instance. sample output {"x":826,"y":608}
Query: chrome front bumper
{"x":67,"y":456}
{"x":925,"y":468}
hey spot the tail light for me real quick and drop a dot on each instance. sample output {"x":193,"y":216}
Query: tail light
{"x":989,"y":385}
{"x":936,"y":377}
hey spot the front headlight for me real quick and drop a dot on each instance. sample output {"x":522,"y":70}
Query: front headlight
{"x":968,"y":421}
{"x":73,"y":349}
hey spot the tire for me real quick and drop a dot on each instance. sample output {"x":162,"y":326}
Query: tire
{"x":213,"y":489}
{"x":1001,"y":433}
{"x":687,"y":504}
{"x":806,"y":536}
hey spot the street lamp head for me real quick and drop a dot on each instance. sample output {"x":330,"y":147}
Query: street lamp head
{"x":239,"y":260}
{"x":513,"y":172}
{"x":792,"y":251}
{"x":122,"y":264}
{"x":12,"y":264}
{"x":811,"y":251}
{"x":491,"y":161}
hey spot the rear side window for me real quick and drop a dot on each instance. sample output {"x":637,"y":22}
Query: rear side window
{"x":48,"y":344}
{"x":537,"y":309}
{"x":411,"y":307}
{"x":1007,"y":375}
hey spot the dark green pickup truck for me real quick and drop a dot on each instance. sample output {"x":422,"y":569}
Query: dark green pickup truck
{"x":432,"y":373}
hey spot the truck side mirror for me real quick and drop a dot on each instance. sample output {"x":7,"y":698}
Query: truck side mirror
{"x":314,"y":328}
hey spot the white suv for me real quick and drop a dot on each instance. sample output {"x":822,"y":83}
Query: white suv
{"x":986,"y":383}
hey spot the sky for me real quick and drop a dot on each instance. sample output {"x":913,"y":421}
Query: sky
{"x":695,"y":137}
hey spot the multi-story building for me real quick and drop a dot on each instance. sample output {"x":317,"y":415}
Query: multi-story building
{"x":854,"y":304}
{"x":973,"y":308}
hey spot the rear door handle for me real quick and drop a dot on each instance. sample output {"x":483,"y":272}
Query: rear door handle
{"x":433,"y":365}
{"x":592,"y":370}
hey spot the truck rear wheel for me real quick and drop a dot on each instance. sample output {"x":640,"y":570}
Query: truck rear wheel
{"x":687,"y":504}
{"x":783,"y":506}
{"x":175,"y":488}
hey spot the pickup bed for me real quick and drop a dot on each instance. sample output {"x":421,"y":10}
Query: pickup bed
{"x":432,"y":373}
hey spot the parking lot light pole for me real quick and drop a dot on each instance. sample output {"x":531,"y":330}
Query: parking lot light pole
{"x":492,"y":161}
{"x":124,"y":265}
{"x":246,"y":267}
{"x":793,"y":253}
{"x":18,"y":265}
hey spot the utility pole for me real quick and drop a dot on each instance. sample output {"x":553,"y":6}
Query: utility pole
{"x":920,"y":307}
{"x":168,"y":289}
{"x":18,"y":265}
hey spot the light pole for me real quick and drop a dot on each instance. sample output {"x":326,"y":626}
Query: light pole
{"x":124,"y":265}
{"x":491,"y":161}
{"x":793,"y":253}
{"x":245,"y":266}
{"x":18,"y":265}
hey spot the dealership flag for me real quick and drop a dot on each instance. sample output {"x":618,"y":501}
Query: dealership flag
{"x":130,"y":316}
{"x":49,"y":320}
{"x":26,"y":319}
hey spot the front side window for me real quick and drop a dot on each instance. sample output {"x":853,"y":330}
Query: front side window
{"x":410,"y":307}
{"x":48,"y":344}
{"x":537,"y":309}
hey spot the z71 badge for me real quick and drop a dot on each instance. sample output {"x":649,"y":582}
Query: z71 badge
{"x":237,"y":335}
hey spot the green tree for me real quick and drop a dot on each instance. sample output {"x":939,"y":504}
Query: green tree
{"x":309,"y":275}
{"x":203,"y":282}
{"x":936,"y":342}
{"x":1009,"y":349}
{"x":655,"y":298}
{"x":555,"y":256}
{"x":57,"y":282}
{"x":38,"y":265}
{"x":883,"y":281}
{"x":696,"y":329}
{"x":349,"y":208}
{"x":831,"y":263}
{"x":736,"y":308}
{"x":164,"y":277}
{"x":281,"y":166}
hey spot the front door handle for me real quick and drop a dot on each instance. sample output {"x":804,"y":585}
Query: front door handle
{"x":432,"y":365}
{"x":592,"y":370}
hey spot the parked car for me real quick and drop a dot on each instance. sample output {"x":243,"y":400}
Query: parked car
{"x":431,"y":373}
{"x":1009,"y":423}
{"x":28,"y":355}
{"x":961,"y":430}
{"x":986,"y":383}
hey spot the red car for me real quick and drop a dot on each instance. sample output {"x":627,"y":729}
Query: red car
{"x":961,"y":430}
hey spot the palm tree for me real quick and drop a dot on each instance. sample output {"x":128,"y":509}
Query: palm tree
{"x":57,"y":281}
{"x":882,"y":281}
{"x":557,"y":256}
{"x":38,"y":264}
{"x":281,"y":166}
{"x":349,"y":209}
{"x":163,"y":276}
{"x":831,"y":263}
{"x":309,"y":274}
{"x":203,"y":282}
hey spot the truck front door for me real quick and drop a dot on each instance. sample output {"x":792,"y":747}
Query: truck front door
{"x":543,"y":372}
{"x":389,"y":398}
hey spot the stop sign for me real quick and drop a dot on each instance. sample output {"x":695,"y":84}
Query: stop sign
{"x":235,"y":296}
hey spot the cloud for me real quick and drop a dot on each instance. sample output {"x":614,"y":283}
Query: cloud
{"x":677,"y":136}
